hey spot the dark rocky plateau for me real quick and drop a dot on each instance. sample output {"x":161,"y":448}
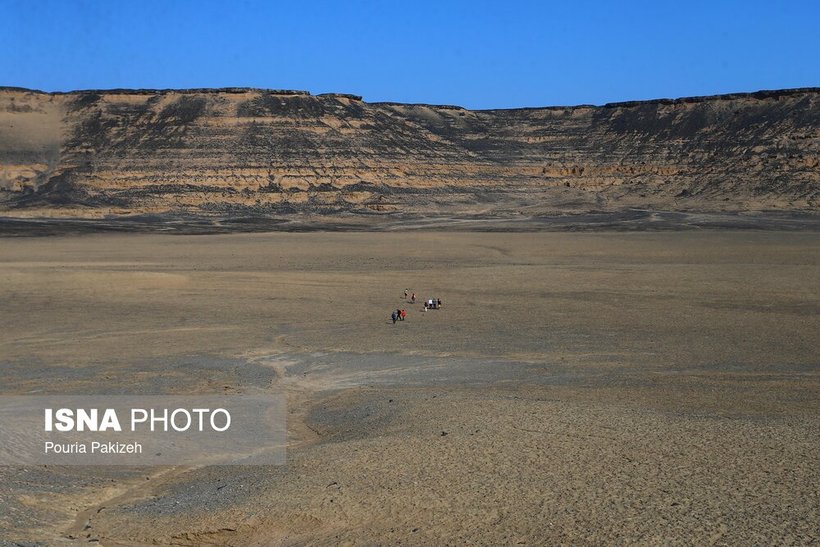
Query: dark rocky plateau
{"x":263,"y":159}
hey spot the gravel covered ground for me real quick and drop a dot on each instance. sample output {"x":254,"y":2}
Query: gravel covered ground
{"x":576,"y":387}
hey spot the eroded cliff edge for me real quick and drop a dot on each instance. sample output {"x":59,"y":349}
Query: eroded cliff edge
{"x":263,"y":153}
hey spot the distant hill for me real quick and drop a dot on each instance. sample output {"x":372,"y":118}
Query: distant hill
{"x":260,"y":153}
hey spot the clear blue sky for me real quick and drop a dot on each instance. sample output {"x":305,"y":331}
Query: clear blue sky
{"x":471,"y":53}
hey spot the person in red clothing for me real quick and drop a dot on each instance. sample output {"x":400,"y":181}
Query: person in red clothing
{"x":403,"y":314}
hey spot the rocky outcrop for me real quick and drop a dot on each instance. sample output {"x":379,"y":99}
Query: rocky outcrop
{"x":254,"y":152}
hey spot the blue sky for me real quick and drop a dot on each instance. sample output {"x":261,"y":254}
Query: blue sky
{"x":475,"y":54}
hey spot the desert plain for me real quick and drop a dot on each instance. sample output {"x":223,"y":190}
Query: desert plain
{"x":578,"y":388}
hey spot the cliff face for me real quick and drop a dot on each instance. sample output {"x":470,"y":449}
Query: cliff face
{"x":273,"y":153}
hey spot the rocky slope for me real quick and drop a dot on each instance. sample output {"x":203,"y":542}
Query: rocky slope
{"x":251,"y":153}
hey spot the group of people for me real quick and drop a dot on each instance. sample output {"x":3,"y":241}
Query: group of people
{"x":399,"y":314}
{"x":432,"y":304}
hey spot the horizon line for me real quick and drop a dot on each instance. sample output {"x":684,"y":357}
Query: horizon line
{"x":758,"y":94}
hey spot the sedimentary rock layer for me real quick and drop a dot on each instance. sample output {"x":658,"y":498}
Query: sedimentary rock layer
{"x":274,"y":153}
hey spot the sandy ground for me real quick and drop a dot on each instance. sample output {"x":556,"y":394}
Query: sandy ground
{"x":580,"y":388}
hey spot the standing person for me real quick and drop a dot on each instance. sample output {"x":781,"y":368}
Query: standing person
{"x":403,"y":314}
{"x":439,"y":303}
{"x":393,"y":316}
{"x":413,"y":298}
{"x":405,"y":294}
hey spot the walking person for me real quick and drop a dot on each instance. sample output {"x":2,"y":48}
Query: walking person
{"x":413,"y":298}
{"x":405,"y":294}
{"x":394,"y":316}
{"x":403,"y":314}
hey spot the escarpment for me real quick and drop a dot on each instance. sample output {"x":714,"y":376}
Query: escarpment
{"x":249,"y":152}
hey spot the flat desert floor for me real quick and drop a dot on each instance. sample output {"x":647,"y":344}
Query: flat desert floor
{"x":585,"y":388}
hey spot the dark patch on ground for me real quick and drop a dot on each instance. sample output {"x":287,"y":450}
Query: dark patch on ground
{"x":242,"y":219}
{"x":149,"y":377}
